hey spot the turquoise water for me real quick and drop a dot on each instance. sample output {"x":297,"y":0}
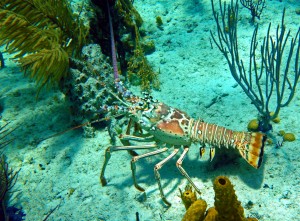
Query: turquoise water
{"x":61,"y":174}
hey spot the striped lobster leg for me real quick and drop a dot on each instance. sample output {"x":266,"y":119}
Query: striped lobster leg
{"x":249,"y":144}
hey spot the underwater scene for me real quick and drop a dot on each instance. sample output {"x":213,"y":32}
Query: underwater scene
{"x":143,"y":110}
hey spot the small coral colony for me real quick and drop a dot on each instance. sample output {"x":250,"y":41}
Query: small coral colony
{"x":91,"y":50}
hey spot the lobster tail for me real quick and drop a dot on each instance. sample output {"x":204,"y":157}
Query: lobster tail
{"x":250,"y":145}
{"x":252,"y":149}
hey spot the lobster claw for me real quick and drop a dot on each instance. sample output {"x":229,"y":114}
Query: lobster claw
{"x":212,"y":153}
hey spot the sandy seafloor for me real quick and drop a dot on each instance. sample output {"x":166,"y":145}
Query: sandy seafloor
{"x":192,"y":75}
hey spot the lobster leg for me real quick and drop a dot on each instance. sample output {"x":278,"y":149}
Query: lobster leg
{"x":145,"y":138}
{"x":136,"y":158}
{"x":182,"y":171}
{"x":157,"y":175}
{"x":111,"y":149}
{"x":126,"y":142}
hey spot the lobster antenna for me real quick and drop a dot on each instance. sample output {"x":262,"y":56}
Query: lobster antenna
{"x":120,"y":87}
{"x":113,"y":47}
{"x":119,"y":99}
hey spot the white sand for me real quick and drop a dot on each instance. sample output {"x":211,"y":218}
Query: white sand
{"x":192,"y":75}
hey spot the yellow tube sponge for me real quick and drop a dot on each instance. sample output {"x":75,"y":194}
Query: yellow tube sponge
{"x":211,"y":214}
{"x":227,"y":207}
{"x":226,"y":202}
{"x":196,"y":212}
{"x":188,"y":196}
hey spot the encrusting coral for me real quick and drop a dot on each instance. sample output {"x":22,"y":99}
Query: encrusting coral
{"x":227,"y":207}
{"x":43,"y":34}
{"x":87,"y":84}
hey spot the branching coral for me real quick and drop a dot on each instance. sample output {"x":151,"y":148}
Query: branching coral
{"x":43,"y":34}
{"x":7,"y":180}
{"x":256,"y":7}
{"x":8,"y":177}
{"x":270,"y":76}
{"x":4,"y":132}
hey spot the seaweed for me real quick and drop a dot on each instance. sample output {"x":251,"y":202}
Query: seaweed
{"x":138,"y":66}
{"x":43,"y":34}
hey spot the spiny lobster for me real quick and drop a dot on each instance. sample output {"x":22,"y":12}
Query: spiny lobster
{"x":169,"y":127}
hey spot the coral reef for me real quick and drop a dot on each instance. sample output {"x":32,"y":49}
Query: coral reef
{"x":43,"y":34}
{"x":138,"y":66}
{"x":227,"y":207}
{"x":256,"y":125}
{"x":130,"y":42}
{"x":7,"y":180}
{"x":128,"y":13}
{"x":87,"y":84}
